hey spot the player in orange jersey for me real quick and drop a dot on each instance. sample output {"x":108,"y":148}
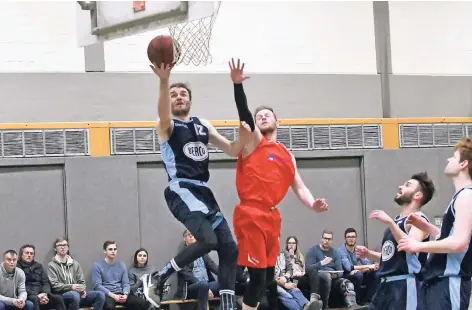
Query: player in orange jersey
{"x":265,"y":171}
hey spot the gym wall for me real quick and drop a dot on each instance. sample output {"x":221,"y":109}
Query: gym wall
{"x":92,"y":199}
{"x":410,"y":59}
{"x":346,"y":59}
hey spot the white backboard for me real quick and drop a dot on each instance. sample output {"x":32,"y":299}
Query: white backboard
{"x":107,"y":20}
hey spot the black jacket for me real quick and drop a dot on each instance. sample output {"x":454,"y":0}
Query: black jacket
{"x":37,"y":281}
{"x":185,"y":276}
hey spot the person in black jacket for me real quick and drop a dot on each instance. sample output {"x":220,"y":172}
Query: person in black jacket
{"x":196,"y":279}
{"x":37,"y":282}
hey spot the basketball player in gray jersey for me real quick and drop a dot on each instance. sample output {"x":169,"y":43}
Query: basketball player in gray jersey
{"x":398,"y":271}
{"x":183,"y":140}
{"x":448,"y":270}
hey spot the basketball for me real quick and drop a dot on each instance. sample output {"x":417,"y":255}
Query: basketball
{"x":162,"y":49}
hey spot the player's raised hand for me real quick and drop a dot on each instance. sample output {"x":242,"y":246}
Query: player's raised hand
{"x":417,"y":221}
{"x":162,"y":71}
{"x":320,"y":205}
{"x":361,"y":251}
{"x":409,"y":245}
{"x":237,"y":71}
{"x":381,"y":216}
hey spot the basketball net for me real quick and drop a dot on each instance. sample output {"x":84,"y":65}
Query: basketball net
{"x":193,"y":39}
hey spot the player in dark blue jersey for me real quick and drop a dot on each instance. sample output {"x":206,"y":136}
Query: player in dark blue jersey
{"x":398,"y":271}
{"x":448,"y":270}
{"x":183,"y":140}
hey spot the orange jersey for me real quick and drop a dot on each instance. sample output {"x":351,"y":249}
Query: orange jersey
{"x":264,"y":177}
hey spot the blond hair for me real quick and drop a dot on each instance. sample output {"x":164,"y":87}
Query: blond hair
{"x":464,"y":147}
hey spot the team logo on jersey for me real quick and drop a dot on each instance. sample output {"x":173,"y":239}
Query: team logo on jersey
{"x":388,"y":249}
{"x":196,"y":151}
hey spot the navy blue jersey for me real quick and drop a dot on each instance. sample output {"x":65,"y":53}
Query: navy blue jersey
{"x":185,"y":153}
{"x":449,"y":264}
{"x":395,"y":263}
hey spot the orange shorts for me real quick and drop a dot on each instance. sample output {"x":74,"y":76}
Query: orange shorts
{"x":257,"y":233}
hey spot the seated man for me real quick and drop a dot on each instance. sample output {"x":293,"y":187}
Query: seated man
{"x":111,"y":277}
{"x":67,"y":278}
{"x":37,"y":282}
{"x":12,"y":284}
{"x":359,"y":271}
{"x":326,"y":261}
{"x":196,"y":279}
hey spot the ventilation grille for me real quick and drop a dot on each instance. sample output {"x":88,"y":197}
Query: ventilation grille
{"x":433,"y":135}
{"x":127,"y":141}
{"x":44,"y":143}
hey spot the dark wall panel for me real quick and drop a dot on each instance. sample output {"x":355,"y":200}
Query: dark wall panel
{"x":32,"y":202}
{"x":102,"y":205}
{"x":339,"y":181}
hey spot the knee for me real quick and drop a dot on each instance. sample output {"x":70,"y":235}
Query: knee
{"x":28,"y":305}
{"x":33,"y":298}
{"x":210,"y":243}
{"x":325,"y":277}
{"x":357,"y":277}
{"x":100,"y":296}
{"x":74,"y":297}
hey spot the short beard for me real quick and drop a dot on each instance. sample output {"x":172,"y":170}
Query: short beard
{"x":180,"y":113}
{"x":403,"y":200}
{"x":268,"y":131}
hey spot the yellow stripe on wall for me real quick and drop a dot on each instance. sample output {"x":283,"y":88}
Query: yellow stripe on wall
{"x":99,"y":132}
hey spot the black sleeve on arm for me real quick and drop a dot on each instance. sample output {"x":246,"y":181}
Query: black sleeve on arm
{"x":241,"y":103}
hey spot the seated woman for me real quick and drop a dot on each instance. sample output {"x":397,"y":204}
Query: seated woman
{"x":288,"y":293}
{"x":140,"y":267}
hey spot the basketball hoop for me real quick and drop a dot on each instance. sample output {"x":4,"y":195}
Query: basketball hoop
{"x":193,"y":39}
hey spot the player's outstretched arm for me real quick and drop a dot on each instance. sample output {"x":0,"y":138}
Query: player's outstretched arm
{"x":419,"y":222}
{"x":237,"y":76}
{"x":398,"y":234}
{"x":458,"y":242}
{"x":164,"y":121}
{"x":231,"y":148}
{"x":304,"y":194}
{"x":363,"y":252}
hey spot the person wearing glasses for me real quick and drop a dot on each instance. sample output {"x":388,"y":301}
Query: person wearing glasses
{"x":67,"y":278}
{"x":110,"y":277}
{"x":360,"y":271}
{"x":323,"y":265}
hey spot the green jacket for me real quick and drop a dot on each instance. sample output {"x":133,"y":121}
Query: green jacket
{"x":63,"y":275}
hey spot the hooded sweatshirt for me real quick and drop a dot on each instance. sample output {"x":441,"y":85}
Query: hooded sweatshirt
{"x":12,"y":285}
{"x":63,"y":273}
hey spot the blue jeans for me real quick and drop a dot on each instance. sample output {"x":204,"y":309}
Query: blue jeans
{"x":292,"y":299}
{"x":28,"y":306}
{"x":200,"y":290}
{"x":74,"y":301}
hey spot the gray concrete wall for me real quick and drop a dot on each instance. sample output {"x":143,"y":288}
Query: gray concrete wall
{"x":70,"y":97}
{"x":121,"y":198}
